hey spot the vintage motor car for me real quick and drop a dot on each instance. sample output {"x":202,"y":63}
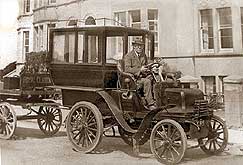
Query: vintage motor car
{"x":84,"y":62}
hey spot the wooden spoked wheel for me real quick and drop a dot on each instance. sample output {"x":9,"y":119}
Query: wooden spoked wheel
{"x":8,"y":121}
{"x":217,"y":138}
{"x":49,"y":120}
{"x":84,"y":126}
{"x":168,"y":141}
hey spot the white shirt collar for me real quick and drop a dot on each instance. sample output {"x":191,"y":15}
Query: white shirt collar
{"x":136,"y":53}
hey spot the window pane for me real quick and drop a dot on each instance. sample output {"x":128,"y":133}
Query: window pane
{"x":114,"y":50}
{"x":80,"y":47}
{"x":135,"y":16}
{"x":210,"y":43}
{"x":210,"y":32}
{"x":152,"y":14}
{"x":226,"y":42}
{"x":225,"y":17}
{"x":58,"y":47}
{"x":26,"y":49}
{"x":92,"y":49}
{"x":138,"y":26}
{"x":210,"y":84}
{"x":226,"y":32}
{"x":225,"y":24}
{"x":206,"y":17}
{"x":26,"y":6}
{"x":206,"y":29}
{"x":153,"y":25}
{"x":120,"y":18}
{"x":64,"y":47}
{"x":156,"y":46}
{"x":70,"y":48}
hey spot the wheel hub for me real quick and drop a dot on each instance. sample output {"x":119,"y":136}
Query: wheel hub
{"x":50,"y":117}
{"x":212,"y":135}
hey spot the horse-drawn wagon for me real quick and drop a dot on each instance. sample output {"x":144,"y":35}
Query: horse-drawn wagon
{"x":29,"y":92}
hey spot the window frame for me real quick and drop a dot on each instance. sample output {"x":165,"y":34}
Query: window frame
{"x":26,"y":6}
{"x":118,"y":21}
{"x":50,"y":2}
{"x":207,"y":50}
{"x":85,"y":58}
{"x":156,"y":31}
{"x":220,"y":28}
{"x":131,"y":22}
{"x":24,"y":42}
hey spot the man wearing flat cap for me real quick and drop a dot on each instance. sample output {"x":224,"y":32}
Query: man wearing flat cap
{"x":135,"y":62}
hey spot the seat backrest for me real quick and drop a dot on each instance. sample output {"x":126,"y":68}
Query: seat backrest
{"x":124,"y":76}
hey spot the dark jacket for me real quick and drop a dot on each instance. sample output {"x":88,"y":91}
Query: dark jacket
{"x":133,"y":63}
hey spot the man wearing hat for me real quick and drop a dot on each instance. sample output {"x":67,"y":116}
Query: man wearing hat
{"x":135,"y":62}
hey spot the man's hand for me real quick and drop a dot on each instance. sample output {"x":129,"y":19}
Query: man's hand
{"x":143,"y":69}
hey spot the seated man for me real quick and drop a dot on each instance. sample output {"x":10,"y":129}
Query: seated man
{"x":135,"y":63}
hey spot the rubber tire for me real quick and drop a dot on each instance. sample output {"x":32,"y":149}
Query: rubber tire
{"x":99,"y":120}
{"x":182,"y":135}
{"x":225,"y":142}
{"x":58,"y":126}
{"x":14,"y":120}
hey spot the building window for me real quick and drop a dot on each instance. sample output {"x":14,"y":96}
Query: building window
{"x":153,"y":25}
{"x":206,"y":29}
{"x":120,"y":19}
{"x":26,"y":42}
{"x":209,"y":84}
{"x":225,"y":28}
{"x":41,"y":37}
{"x":26,"y":6}
{"x":51,"y":1}
{"x":49,"y":27}
{"x":36,"y":38}
{"x":90,"y":21}
{"x":135,"y":19}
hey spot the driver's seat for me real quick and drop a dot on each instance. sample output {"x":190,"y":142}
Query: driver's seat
{"x":125,"y":80}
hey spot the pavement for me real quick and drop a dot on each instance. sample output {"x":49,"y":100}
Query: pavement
{"x":235,"y":135}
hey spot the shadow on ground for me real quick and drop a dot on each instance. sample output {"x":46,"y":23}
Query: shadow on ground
{"x":23,"y":133}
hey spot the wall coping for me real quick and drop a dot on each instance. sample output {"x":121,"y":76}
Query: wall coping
{"x":233,"y":79}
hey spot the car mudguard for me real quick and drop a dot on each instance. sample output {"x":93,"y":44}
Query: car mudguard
{"x":115,"y":111}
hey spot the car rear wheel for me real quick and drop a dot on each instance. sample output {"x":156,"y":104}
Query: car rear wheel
{"x":84,"y":126}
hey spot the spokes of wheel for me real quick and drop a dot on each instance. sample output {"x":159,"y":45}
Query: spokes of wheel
{"x":168,"y":141}
{"x":217,"y":138}
{"x":49,"y":120}
{"x":8,"y":121}
{"x":84,"y":126}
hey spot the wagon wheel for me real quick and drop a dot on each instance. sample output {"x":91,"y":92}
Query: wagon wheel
{"x":217,"y":138}
{"x":49,"y":120}
{"x":127,"y":136}
{"x":168,"y":142}
{"x":8,"y":121}
{"x":84,"y":126}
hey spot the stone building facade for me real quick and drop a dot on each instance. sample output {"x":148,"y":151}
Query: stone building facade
{"x":201,"y":38}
